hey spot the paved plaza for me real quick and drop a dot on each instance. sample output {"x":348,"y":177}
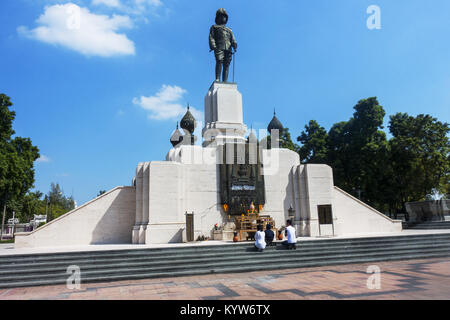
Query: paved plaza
{"x":412,"y":279}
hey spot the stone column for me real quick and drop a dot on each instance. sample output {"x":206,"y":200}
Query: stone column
{"x":145,"y":202}
{"x":298,"y":224}
{"x":139,"y":187}
{"x":319,"y":186}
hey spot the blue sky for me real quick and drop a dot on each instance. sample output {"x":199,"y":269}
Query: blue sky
{"x":101,"y":93}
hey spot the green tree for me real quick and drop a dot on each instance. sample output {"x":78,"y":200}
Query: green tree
{"x":314,"y":147}
{"x":32,"y":203}
{"x":59,"y":204}
{"x":101,"y":192}
{"x":357,"y":151}
{"x":384,"y":173}
{"x":17,"y":156}
{"x":285,"y":141}
{"x":419,"y":155}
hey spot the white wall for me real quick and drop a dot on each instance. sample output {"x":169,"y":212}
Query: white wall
{"x":186,"y":182}
{"x":107,"y":219}
{"x":279,"y":179}
{"x":189,"y":182}
{"x":165,"y":202}
{"x":318,"y":180}
{"x":355,"y":217}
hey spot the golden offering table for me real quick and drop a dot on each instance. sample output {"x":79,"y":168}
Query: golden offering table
{"x":248,"y":224}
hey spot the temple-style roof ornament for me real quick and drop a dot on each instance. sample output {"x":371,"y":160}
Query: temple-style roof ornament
{"x":252,"y":136}
{"x":275,"y":124}
{"x":176,"y":137}
{"x":188,"y":122}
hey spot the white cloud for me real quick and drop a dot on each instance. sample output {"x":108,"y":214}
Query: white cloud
{"x":43,"y":159}
{"x":166,"y":104}
{"x":150,"y":3}
{"x":133,"y":7}
{"x":80,"y":30}
{"x":108,"y":3}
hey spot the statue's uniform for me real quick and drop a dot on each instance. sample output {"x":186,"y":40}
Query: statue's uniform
{"x":221,"y":40}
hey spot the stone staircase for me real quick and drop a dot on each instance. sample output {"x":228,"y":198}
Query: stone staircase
{"x":429,"y":225}
{"x":103,"y":266}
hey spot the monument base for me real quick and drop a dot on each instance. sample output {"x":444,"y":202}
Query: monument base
{"x":223,"y":115}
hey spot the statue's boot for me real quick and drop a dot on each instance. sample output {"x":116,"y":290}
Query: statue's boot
{"x":225,"y":73}
{"x":218,"y":70}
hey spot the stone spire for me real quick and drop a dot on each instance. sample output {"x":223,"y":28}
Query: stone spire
{"x":252,"y":136}
{"x":188,"y":122}
{"x":176,"y":137}
{"x":275,"y":124}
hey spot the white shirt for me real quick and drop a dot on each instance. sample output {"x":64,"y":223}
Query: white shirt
{"x":291,"y":234}
{"x":260,"y":240}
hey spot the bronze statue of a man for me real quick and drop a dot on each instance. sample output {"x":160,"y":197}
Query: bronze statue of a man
{"x":221,"y":40}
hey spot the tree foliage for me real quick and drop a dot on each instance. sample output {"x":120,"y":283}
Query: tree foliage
{"x":58,"y":203}
{"x":314,"y":143}
{"x":419,"y":155}
{"x":284,"y":139}
{"x":101,"y":192}
{"x":17,"y":156}
{"x":27,"y":206}
{"x":384,"y":173}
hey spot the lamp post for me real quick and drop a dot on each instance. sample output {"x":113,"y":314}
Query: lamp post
{"x":3,"y":217}
{"x":13,"y":224}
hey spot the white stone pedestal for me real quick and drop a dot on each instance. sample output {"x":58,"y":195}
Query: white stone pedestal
{"x":223,"y":115}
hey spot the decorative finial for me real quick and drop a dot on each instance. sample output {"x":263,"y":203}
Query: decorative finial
{"x":188,"y":106}
{"x":177,"y":125}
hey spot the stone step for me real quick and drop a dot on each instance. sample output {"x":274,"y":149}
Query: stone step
{"x":163,"y":252}
{"x":212,"y":264}
{"x":37,"y":269}
{"x":439,"y":224}
{"x":227,"y":269}
{"x":429,"y":228}
{"x":180,"y":258}
{"x":248,"y":255}
{"x":427,"y":225}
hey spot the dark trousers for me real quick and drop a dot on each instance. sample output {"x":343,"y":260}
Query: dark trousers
{"x":289,"y":245}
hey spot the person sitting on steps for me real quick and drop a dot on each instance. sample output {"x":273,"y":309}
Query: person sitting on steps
{"x":260,"y":242}
{"x":290,"y":234}
{"x":269,"y":235}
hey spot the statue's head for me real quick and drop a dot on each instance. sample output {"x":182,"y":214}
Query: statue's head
{"x":221,"y":16}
